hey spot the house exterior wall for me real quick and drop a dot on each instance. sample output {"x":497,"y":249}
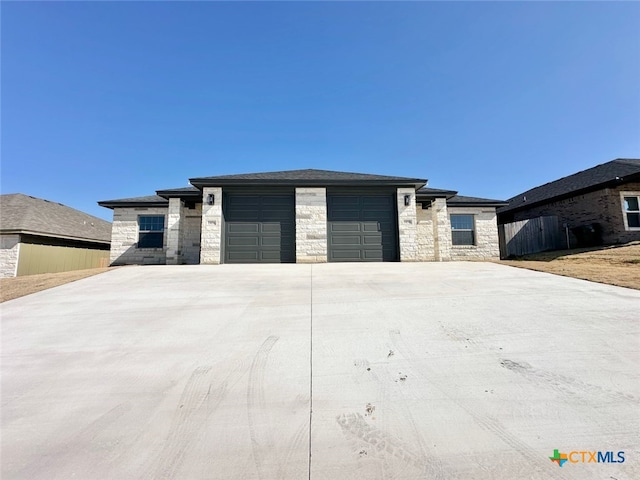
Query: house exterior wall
{"x":191,"y":224}
{"x":211,"y":231}
{"x":9,"y":253}
{"x":174,"y":231}
{"x":407,"y":228}
{"x":424,"y":235}
{"x":441,"y":230}
{"x":602,"y":206}
{"x":124,"y":238}
{"x":311,"y":225}
{"x":485,"y":231}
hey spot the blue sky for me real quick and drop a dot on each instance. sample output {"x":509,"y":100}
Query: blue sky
{"x":105,"y":100}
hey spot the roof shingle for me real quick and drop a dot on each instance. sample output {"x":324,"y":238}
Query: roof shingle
{"x":23,"y":213}
{"x":586,"y":180}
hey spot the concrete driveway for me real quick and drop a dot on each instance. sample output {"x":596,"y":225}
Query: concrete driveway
{"x":334,"y":371}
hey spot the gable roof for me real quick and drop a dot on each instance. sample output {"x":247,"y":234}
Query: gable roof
{"x":607,"y":174}
{"x":307,"y":177}
{"x":146,"y":201}
{"x":21,"y":213}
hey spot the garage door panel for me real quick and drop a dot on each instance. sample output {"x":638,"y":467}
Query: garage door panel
{"x":344,"y":227}
{"x":362,"y":228}
{"x":382,"y":203}
{"x":347,"y":240}
{"x":243,"y":228}
{"x":244,"y":241}
{"x":259,"y":228}
{"x":369,"y":226}
{"x":346,"y":255}
{"x":373,"y":255}
{"x":378,"y":215}
{"x":345,"y":216}
{"x":372,"y":240}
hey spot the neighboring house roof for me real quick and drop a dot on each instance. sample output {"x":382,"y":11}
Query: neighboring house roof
{"x":601,"y":176}
{"x":21,"y":213}
{"x":307,"y":177}
{"x":148,"y":201}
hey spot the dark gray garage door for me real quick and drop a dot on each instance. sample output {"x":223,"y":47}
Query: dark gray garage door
{"x":362,"y":228}
{"x":259,"y":228}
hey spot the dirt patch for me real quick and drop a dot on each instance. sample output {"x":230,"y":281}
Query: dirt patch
{"x":615,"y":265}
{"x":11,"y":288}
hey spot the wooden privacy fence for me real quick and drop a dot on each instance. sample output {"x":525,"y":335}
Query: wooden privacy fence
{"x":530,"y":236}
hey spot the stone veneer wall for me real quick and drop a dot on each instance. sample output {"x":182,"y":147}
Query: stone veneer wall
{"x":311,"y":225}
{"x":211,"y":231}
{"x":486,"y":234}
{"x":174,"y":231}
{"x":407,"y":228}
{"x":9,"y":252}
{"x":441,"y":230}
{"x":124,"y":237}
{"x":191,"y":225}
{"x":425,"y":239}
{"x":602,"y":206}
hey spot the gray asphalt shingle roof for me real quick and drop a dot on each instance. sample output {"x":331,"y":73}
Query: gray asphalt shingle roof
{"x":148,"y":200}
{"x":23,"y":213}
{"x":460,"y":200}
{"x":586,"y":180}
{"x":303,"y":176}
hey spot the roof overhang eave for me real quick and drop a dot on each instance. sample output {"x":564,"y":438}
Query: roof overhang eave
{"x":53,"y":235}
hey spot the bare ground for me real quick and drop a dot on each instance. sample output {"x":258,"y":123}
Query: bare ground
{"x":615,"y":265}
{"x":11,"y":288}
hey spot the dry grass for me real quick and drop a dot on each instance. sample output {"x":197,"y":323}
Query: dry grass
{"x":11,"y":288}
{"x":615,"y":265}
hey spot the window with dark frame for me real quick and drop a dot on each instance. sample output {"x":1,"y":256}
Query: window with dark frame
{"x":150,"y":231}
{"x":462,"y":230}
{"x":631,"y":207}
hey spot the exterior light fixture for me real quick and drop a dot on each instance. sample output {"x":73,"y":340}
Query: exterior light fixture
{"x":211,"y":199}
{"x":407,"y":200}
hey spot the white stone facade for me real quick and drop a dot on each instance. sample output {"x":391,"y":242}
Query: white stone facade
{"x":191,"y":225}
{"x":485,"y":232}
{"x":311,"y":225}
{"x":194,"y":234}
{"x":174,"y":231}
{"x":407,"y":225}
{"x":9,"y":253}
{"x":124,"y":237}
{"x":211,"y":230}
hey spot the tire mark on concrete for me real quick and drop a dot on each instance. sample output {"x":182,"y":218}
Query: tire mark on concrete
{"x":486,"y":422}
{"x":432,"y":467}
{"x":187,"y":420}
{"x":261,"y":438}
{"x":380,"y":443}
{"x":563,"y":383}
{"x":300,"y":438}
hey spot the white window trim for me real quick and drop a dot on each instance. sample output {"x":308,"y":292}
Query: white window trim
{"x":475,"y":231}
{"x":624,"y":212}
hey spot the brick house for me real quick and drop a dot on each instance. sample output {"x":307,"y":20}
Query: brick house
{"x":302,"y":216}
{"x":605,"y":198}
